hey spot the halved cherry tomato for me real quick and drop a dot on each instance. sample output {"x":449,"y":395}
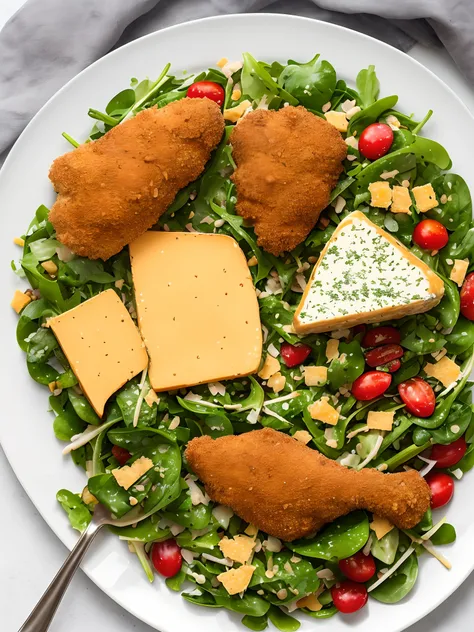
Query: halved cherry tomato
{"x":467,"y":297}
{"x":442,"y":488}
{"x":121,"y":454}
{"x":430,"y":234}
{"x":391,"y":366}
{"x":294,"y":354}
{"x":208,"y":89}
{"x":375,"y":141}
{"x":348,"y":597}
{"x":381,"y":336}
{"x":449,"y":455}
{"x":359,"y":567}
{"x":418,"y":397}
{"x":166,"y":558}
{"x":371,"y":385}
{"x":382,"y":355}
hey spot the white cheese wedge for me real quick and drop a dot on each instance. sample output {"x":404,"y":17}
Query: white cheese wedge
{"x":364,"y":275}
{"x":197,"y":309}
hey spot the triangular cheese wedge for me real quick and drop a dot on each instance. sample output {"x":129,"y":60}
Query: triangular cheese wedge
{"x":364,"y":275}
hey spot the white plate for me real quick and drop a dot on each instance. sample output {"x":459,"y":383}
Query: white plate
{"x":26,"y":426}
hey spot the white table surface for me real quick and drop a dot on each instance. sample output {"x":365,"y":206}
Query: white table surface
{"x":31,"y":553}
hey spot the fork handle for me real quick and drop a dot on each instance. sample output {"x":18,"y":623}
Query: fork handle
{"x":44,"y":611}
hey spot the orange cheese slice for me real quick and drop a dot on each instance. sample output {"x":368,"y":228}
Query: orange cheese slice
{"x":102,"y":345}
{"x":197,"y":308}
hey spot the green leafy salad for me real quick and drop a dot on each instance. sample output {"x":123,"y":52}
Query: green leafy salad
{"x":171,"y":502}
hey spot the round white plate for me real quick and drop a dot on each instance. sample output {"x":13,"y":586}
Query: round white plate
{"x":26,"y":426}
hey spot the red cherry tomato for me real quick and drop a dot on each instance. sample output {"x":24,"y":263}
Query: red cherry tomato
{"x":441,"y":487}
{"x":371,"y":385}
{"x":375,"y":141}
{"x":430,"y":234}
{"x":208,"y":89}
{"x":294,"y":354}
{"x":349,"y":597}
{"x":467,"y":297}
{"x":418,"y":397}
{"x":449,"y":455}
{"x":121,"y":454}
{"x":382,"y":355}
{"x":381,"y":336}
{"x":359,"y":567}
{"x":391,"y":366}
{"x":166,"y":558}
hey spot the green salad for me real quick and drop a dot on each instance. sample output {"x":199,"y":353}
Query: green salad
{"x":173,"y":504}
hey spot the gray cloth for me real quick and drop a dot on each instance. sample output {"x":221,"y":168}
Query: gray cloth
{"x":49,"y":41}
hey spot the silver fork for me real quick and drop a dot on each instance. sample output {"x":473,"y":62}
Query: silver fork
{"x":43,"y":613}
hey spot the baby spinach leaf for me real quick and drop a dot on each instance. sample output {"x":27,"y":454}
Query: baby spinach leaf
{"x":176,"y":582}
{"x":325,"y":613}
{"x":312,"y":84}
{"x":42,"y":373}
{"x":399,"y":584}
{"x":467,"y":462}
{"x":457,"y":207}
{"x":368,"y":86}
{"x":145,"y":531}
{"x":348,"y":366}
{"x":77,"y":511}
{"x":370,"y":114}
{"x":127,"y":399}
{"x":462,"y":336}
{"x":80,"y":271}
{"x":123,"y":100}
{"x":422,"y":340}
{"x":202,"y":544}
{"x":448,"y":309}
{"x":385,"y":549}
{"x":203,"y":599}
{"x":192,"y":516}
{"x":255,"y":623}
{"x":41,"y":346}
{"x":452,"y":429}
{"x":341,"y":539}
{"x":44,"y":249}
{"x":446,"y":534}
{"x":217,"y":426}
{"x":67,"y":424}
{"x":83,"y":409}
{"x":282,"y":621}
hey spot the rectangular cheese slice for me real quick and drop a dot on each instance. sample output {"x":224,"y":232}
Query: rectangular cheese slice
{"x":364,"y":275}
{"x":197,"y":308}
{"x":380,"y":420}
{"x":445,"y":370}
{"x":102,"y":344}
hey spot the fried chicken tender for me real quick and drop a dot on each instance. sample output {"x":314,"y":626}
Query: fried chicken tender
{"x":112,"y":190}
{"x":288,"y":162}
{"x":290,"y":491}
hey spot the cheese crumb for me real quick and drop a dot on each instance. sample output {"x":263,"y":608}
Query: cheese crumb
{"x":251,"y":530}
{"x":381,"y":194}
{"x":380,"y":420}
{"x":401,"y":200}
{"x":322,"y":410}
{"x":381,"y":526}
{"x":332,"y":349}
{"x":151,"y":398}
{"x":302,"y":436}
{"x":127,"y":475}
{"x":50,"y":267}
{"x":222,"y":62}
{"x":459,"y":270}
{"x":315,"y":375}
{"x":19,"y":301}
{"x":253,"y":261}
{"x":425,"y":198}
{"x":338,"y":120}
{"x":235,"y":113}
{"x":18,"y":241}
{"x":237,"y":549}
{"x":236,"y":580}
{"x":236,"y":94}
{"x":270,"y":367}
{"x":310,"y":602}
{"x":446,"y":371}
{"x":277,"y":382}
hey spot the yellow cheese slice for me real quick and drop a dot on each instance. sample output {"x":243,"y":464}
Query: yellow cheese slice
{"x":332,"y":349}
{"x":338,"y":120}
{"x":315,"y":375}
{"x":401,"y":200}
{"x":381,"y":194}
{"x":235,"y":113}
{"x":302,"y":436}
{"x":381,"y":526}
{"x":380,"y":420}
{"x":322,"y":410}
{"x":425,"y":197}
{"x":127,"y":475}
{"x":102,"y":345}
{"x":269,"y":368}
{"x":277,"y":382}
{"x":20,"y":301}
{"x":239,"y":548}
{"x":197,"y":308}
{"x":446,"y":371}
{"x":311,"y":602}
{"x":236,"y":580}
{"x":364,"y":275}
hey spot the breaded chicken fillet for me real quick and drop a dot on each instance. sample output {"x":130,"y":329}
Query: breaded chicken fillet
{"x":288,"y":162}
{"x":290,"y":491}
{"x":112,"y":190}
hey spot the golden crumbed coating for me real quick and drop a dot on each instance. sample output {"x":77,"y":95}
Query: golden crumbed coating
{"x":288,"y":162}
{"x":290,"y":491}
{"x":114,"y":189}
